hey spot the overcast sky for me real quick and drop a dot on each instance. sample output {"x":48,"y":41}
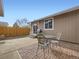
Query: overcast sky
{"x":33,"y":9}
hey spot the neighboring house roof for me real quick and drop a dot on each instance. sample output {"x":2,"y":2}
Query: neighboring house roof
{"x":59,"y":13}
{"x":3,"y":23}
{"x":1,"y":8}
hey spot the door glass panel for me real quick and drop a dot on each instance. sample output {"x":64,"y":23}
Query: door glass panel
{"x":35,"y":29}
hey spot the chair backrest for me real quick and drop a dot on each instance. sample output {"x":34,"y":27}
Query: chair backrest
{"x":40,"y":38}
{"x":58,"y":36}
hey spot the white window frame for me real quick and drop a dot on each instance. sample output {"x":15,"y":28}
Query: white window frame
{"x":52,"y":24}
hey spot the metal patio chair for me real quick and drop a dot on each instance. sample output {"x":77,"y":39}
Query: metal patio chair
{"x":57,"y":39}
{"x":42,"y":44}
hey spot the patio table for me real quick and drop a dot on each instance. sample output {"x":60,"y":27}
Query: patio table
{"x":50,"y":37}
{"x":52,"y":40}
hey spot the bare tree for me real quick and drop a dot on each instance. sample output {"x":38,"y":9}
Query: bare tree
{"x":15,"y":25}
{"x":21,"y":23}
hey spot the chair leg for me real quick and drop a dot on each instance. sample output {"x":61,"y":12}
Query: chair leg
{"x":44,"y":52}
{"x":50,"y":46}
{"x":37,"y":50}
{"x":59,"y":47}
{"x":48,"y":50}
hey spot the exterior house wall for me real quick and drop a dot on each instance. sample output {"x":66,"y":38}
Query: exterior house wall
{"x":40,"y":25}
{"x":50,"y":31}
{"x":68,"y":24}
{"x":1,"y":8}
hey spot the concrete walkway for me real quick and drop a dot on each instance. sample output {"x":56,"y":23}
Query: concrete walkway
{"x":8,"y":46}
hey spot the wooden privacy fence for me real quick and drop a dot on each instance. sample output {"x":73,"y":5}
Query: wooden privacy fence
{"x":13,"y":31}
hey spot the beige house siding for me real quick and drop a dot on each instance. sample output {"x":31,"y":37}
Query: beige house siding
{"x":68,"y":24}
{"x":77,"y":29}
{"x":41,"y":24}
{"x":1,"y":8}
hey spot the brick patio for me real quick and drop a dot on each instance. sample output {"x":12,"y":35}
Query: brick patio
{"x":56,"y":53}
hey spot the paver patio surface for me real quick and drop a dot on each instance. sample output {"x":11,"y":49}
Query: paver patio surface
{"x":27,"y":49}
{"x":57,"y":52}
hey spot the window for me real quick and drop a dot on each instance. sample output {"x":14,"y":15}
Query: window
{"x":49,"y":24}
